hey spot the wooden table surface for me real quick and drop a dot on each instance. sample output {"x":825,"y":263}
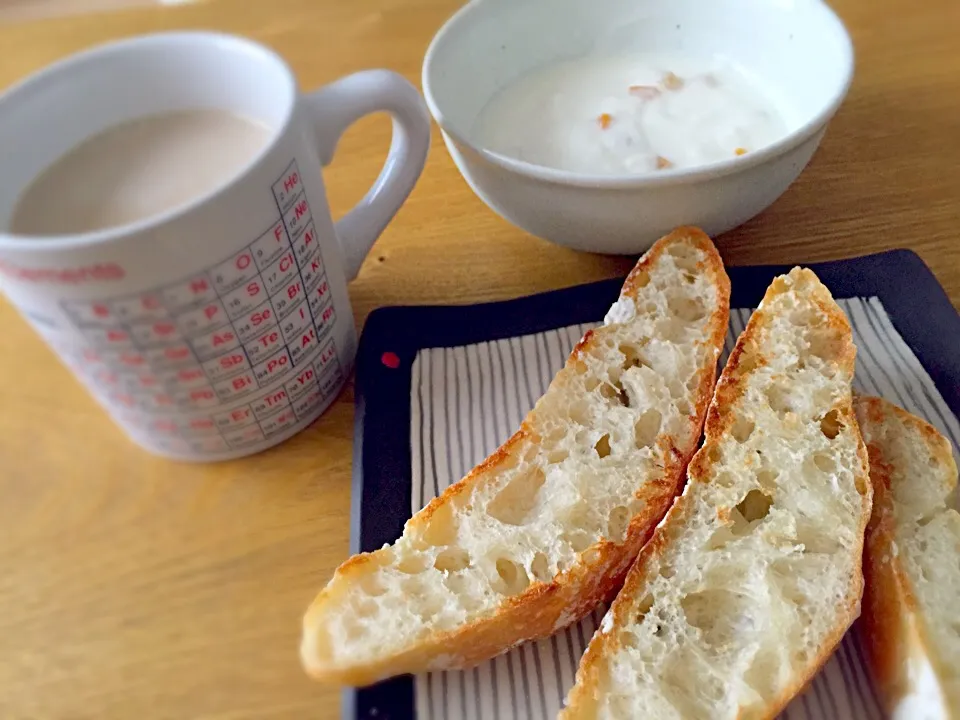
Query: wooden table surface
{"x":133,"y":587}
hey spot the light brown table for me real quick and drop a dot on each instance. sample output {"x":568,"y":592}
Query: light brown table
{"x":133,"y":587}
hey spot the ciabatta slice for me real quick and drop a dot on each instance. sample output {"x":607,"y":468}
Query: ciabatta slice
{"x":755,"y":573}
{"x":545,"y":528}
{"x":911,"y":604}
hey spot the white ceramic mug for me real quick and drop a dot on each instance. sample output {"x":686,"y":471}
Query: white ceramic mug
{"x":224,"y":327}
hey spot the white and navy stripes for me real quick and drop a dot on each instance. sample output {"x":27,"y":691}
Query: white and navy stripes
{"x":467,"y":400}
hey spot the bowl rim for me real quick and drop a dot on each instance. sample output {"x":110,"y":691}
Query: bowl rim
{"x":672,"y":176}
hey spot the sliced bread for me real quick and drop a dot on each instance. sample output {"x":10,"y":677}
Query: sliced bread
{"x":755,"y":573}
{"x":547,"y":526}
{"x":911,"y":604}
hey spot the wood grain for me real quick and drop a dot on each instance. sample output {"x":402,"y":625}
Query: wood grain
{"x":19,"y":10}
{"x":136,"y":587}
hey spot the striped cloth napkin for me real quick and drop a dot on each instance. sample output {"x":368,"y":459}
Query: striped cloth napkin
{"x":467,"y":400}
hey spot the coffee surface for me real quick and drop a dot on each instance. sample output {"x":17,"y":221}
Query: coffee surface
{"x":137,"y":170}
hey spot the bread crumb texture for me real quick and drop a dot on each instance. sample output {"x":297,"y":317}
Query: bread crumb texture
{"x":601,"y":452}
{"x":755,"y":573}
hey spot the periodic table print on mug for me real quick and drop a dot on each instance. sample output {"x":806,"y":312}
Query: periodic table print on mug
{"x":225,"y":361}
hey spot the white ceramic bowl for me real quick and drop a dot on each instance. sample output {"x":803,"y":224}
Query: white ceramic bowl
{"x":799,"y":49}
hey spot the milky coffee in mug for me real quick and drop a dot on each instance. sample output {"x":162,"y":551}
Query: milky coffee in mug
{"x":164,"y":227}
{"x":138,"y":169}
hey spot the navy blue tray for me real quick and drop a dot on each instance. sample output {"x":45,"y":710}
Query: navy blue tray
{"x":916,"y":304}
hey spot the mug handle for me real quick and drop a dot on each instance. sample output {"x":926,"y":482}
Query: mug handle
{"x":333,"y":108}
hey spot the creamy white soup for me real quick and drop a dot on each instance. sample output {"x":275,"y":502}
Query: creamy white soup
{"x":630,"y":114}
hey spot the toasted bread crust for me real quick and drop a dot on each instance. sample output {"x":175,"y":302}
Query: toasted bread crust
{"x":543,"y":608}
{"x":887,"y":600}
{"x":582,"y":701}
{"x":893,"y":630}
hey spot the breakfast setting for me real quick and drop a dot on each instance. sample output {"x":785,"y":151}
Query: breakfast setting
{"x":486,"y":360}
